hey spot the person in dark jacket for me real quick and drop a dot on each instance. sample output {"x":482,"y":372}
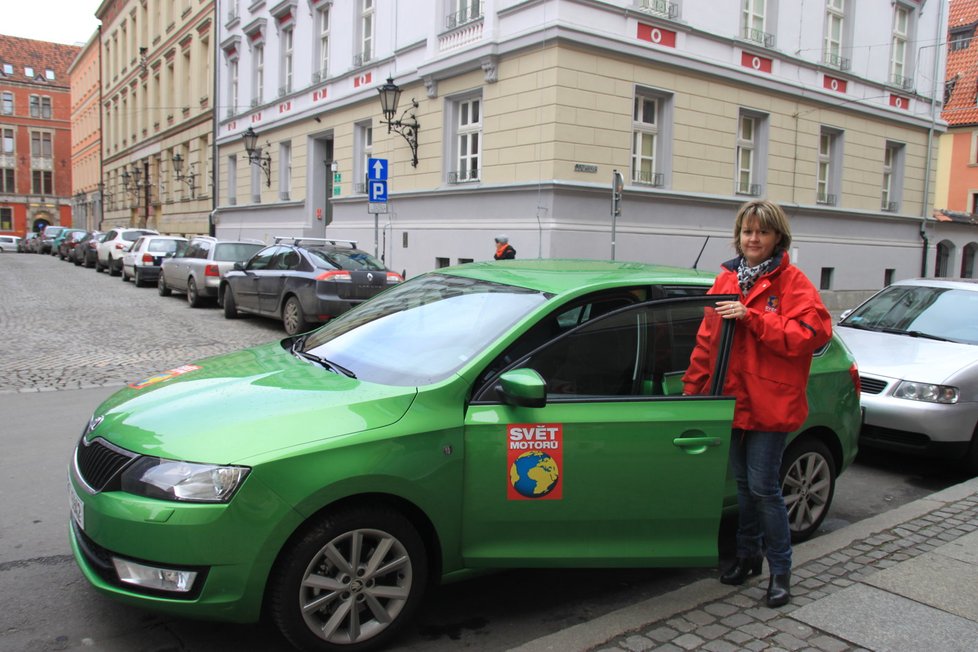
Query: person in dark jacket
{"x":781,"y":322}
{"x":504,"y":250}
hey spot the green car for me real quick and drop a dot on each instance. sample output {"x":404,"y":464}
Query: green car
{"x":491,"y":415}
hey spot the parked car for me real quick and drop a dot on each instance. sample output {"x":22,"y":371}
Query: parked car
{"x":47,"y":237}
{"x":24,"y":245}
{"x":113,"y":245}
{"x":9,"y":243}
{"x":916,"y":343}
{"x":303,"y":281}
{"x":199,"y":269}
{"x":86,"y":251}
{"x":512,"y":414}
{"x":143,"y":259}
{"x":67,"y":241}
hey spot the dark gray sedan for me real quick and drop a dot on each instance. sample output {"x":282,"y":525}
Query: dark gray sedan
{"x":303,"y":281}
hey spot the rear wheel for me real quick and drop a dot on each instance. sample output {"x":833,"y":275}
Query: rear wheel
{"x":138,"y":278}
{"x":293,"y":318}
{"x":230,"y":308}
{"x":112,"y":269}
{"x":122,"y":271}
{"x":350,"y":582}
{"x":99,"y":267}
{"x":807,"y":484}
{"x":161,"y":287}
{"x":193,"y":297}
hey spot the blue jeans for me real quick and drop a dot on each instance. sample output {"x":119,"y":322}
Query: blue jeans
{"x":755,"y":459}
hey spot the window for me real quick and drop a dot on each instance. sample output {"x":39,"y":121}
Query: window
{"x":258,"y":75}
{"x":287,"y":39}
{"x":974,"y":202}
{"x":284,"y":170}
{"x":40,"y":145}
{"x":835,"y":34}
{"x":6,"y":218}
{"x":825,"y":282}
{"x":943,"y":262}
{"x":468,"y":133}
{"x":41,"y":182}
{"x":322,"y":20}
{"x":888,"y":275}
{"x":899,"y":75}
{"x":893,"y":155}
{"x":364,"y":144}
{"x":754,"y":21}
{"x":462,"y":11}
{"x":7,"y":103}
{"x":649,"y":138}
{"x":968,"y":260}
{"x":960,"y":39}
{"x":29,"y":71}
{"x":232,"y":180}
{"x":746,"y":134}
{"x":7,"y":161}
{"x":829,"y":162}
{"x":442,"y":262}
{"x":8,"y":68}
{"x":233,"y":86}
{"x":366,"y":32}
{"x":49,"y":74}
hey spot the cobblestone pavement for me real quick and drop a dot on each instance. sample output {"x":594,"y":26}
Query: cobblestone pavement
{"x":741,"y":621}
{"x":68,"y":327}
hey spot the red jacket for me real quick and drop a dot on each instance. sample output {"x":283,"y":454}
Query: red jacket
{"x":772,"y":347}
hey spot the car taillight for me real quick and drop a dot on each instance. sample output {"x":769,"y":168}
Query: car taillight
{"x":854,"y":373}
{"x":120,"y":245}
{"x":393,"y":277}
{"x":335,"y":275}
{"x":212,"y":270}
{"x":148,"y":259}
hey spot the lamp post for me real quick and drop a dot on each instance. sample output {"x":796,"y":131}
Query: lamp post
{"x":190,"y":178}
{"x":408,"y":127}
{"x":256,"y":156}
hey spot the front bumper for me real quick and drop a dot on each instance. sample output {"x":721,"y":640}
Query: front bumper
{"x":230,"y":546}
{"x":938,"y":429}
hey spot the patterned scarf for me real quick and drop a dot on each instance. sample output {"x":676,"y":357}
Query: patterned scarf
{"x":747,"y":275}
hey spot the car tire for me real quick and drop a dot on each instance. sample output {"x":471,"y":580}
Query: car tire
{"x":99,"y":267}
{"x":293,"y":318}
{"x":122,"y":272}
{"x":193,"y":297}
{"x":230,"y":308}
{"x":970,"y":461}
{"x":137,"y":278}
{"x":807,"y":484}
{"x":112,"y":270}
{"x":161,"y":287}
{"x":379,"y":598}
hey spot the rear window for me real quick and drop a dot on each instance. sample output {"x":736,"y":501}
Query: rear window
{"x":53,"y":231}
{"x":235,"y":251}
{"x":164,"y":246}
{"x":351,"y":259}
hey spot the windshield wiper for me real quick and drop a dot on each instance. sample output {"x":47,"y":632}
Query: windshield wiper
{"x":323,"y":362}
{"x":926,"y":336}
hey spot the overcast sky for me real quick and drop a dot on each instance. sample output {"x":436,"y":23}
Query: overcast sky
{"x":61,"y":21}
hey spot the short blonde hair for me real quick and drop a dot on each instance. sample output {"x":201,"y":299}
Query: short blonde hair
{"x":769,"y":216}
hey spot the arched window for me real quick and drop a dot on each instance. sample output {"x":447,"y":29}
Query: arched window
{"x":945,"y":249}
{"x":968,"y":260}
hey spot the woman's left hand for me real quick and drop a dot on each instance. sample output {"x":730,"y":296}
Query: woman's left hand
{"x":731,"y":309}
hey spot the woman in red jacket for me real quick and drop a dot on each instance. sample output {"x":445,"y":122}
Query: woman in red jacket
{"x":781,"y":321}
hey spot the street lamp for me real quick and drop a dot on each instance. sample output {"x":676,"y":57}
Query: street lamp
{"x":408,"y":127}
{"x":190,"y":178}
{"x":255,"y":154}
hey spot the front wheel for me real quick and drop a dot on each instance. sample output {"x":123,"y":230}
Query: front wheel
{"x":349,"y":582}
{"x":293,"y":318}
{"x":807,"y":484}
{"x":230,"y":308}
{"x":161,"y":286}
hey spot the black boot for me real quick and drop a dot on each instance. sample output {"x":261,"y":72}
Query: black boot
{"x":741,"y":569}
{"x":778,"y":590}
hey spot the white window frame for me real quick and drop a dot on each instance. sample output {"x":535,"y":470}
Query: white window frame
{"x":367,"y":26}
{"x":644,"y":132}
{"x":899,"y":44}
{"x":893,"y":165}
{"x":828,"y":166}
{"x":363,"y":147}
{"x":287,"y":44}
{"x":7,"y":103}
{"x":746,"y":153}
{"x":258,"y":74}
{"x":756,"y":20}
{"x":233,"y":85}
{"x":322,"y":27}
{"x":835,"y":33}
{"x":232,"y":187}
{"x":468,"y":139}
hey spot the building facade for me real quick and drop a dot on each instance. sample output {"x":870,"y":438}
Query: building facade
{"x":157,"y":113}
{"x":86,"y":136}
{"x":35,"y":134}
{"x":525,"y":113}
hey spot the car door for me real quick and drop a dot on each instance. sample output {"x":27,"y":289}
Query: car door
{"x":245,"y":286}
{"x":618,"y":468}
{"x":272,"y":283}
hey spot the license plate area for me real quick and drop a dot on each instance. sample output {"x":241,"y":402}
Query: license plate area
{"x":76,"y":507}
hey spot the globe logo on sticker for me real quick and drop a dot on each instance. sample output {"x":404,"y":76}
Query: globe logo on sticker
{"x":534,"y":474}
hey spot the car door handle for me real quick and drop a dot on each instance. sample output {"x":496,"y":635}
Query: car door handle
{"x":696,"y":445}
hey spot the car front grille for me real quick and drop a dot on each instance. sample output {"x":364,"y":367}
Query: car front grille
{"x":872,"y":385}
{"x":99,"y":463}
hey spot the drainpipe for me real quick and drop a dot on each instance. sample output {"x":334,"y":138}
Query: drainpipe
{"x":938,"y":38}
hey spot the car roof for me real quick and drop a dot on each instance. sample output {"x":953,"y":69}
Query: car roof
{"x":950,"y":283}
{"x":559,"y":275}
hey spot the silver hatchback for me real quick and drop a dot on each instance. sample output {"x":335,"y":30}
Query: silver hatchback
{"x":199,"y":269}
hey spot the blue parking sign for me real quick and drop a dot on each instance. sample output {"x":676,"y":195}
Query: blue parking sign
{"x":377,"y":191}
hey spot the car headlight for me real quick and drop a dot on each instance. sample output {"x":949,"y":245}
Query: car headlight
{"x":913,"y":391}
{"x":154,"y":477}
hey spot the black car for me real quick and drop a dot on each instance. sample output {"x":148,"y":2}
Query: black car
{"x":303,"y":281}
{"x":67,"y":242}
{"x":86,"y":251}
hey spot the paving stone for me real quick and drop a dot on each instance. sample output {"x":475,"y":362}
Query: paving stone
{"x":662,"y":634}
{"x":757,"y":630}
{"x":738,"y":637}
{"x":638,"y":644}
{"x":681,"y":624}
{"x":720,"y":646}
{"x":689,"y":641}
{"x":722,"y":609}
{"x":789,"y":642}
{"x":826,"y":643}
{"x":699,"y":617}
{"x":713,"y":631}
{"x":737,"y":620}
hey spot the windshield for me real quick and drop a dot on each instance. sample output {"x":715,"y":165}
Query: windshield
{"x":350,"y":259}
{"x":422,"y":331}
{"x":917,"y":310}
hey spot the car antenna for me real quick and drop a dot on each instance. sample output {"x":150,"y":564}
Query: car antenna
{"x":697,"y":262}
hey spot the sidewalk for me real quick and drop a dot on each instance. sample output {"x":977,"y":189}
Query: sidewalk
{"x":903,"y":581}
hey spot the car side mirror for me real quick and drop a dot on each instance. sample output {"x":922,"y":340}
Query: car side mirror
{"x":845,"y":314}
{"x":239,"y":267}
{"x":522,"y":388}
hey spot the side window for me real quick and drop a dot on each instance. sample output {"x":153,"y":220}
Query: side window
{"x":263,"y":259}
{"x":290,"y":260}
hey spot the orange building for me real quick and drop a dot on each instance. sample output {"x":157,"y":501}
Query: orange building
{"x":35,"y":134}
{"x":86,"y":136}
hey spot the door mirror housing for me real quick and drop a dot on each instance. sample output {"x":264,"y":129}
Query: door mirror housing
{"x":522,"y":388}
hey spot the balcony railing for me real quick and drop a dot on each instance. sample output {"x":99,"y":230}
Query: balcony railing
{"x":901,"y":81}
{"x":825,"y":198}
{"x":362,"y":58}
{"x":836,"y":61}
{"x":889,"y":206}
{"x":661,"y":8}
{"x":656,"y":179}
{"x":757,"y":36}
{"x":752,"y":189}
{"x":463,"y":176}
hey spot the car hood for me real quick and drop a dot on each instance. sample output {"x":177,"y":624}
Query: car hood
{"x":905,"y":357}
{"x":233,"y":407}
